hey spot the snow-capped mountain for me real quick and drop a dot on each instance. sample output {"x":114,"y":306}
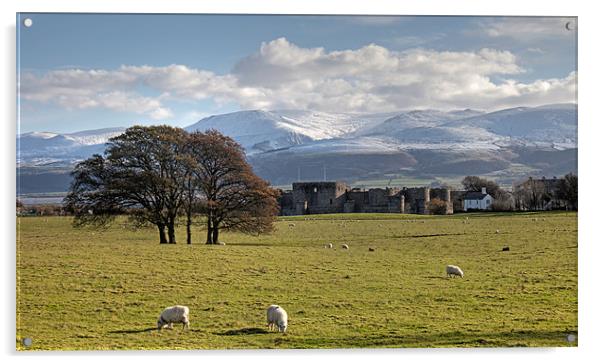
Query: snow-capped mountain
{"x":551,"y":123}
{"x":259,"y":131}
{"x":280,"y":143}
{"x":41,"y":148}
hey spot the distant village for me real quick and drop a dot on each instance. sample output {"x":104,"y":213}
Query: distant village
{"x":338,"y":197}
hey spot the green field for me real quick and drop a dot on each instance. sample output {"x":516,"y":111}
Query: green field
{"x":81,"y":289}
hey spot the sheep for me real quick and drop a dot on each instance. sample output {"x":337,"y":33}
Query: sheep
{"x":328,"y":246}
{"x":506,"y":249}
{"x":497,"y":231}
{"x":345,"y":246}
{"x":454,"y":270}
{"x":174,"y":314}
{"x":221,"y":243}
{"x":277,"y":318}
{"x":371,"y":249}
{"x":291,"y":225}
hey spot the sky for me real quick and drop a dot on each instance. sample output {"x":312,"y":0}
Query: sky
{"x":89,"y":71}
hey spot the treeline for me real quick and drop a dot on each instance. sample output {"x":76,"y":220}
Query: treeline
{"x":40,"y":210}
{"x":162,"y":175}
{"x":532,"y":194}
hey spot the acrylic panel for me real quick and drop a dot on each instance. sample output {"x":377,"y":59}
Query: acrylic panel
{"x":198,"y":181}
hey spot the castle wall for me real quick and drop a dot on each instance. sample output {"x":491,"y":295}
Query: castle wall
{"x":337,"y":197}
{"x":319,"y":197}
{"x":287,"y":205}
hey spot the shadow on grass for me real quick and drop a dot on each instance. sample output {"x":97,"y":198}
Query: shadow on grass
{"x":133,"y":331}
{"x":437,"y":277}
{"x":244,"y":331}
{"x":522,"y":338}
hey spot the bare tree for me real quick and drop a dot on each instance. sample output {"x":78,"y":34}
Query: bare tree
{"x":142,"y":173}
{"x":568,"y":191}
{"x":475,"y":183}
{"x":233,"y":197}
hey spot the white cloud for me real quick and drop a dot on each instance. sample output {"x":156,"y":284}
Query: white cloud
{"x":84,"y":89}
{"x":282,"y":75}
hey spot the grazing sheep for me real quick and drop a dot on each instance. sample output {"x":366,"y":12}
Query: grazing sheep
{"x":173,"y":314}
{"x":277,"y":317}
{"x":345,"y":246}
{"x":371,"y":249}
{"x":506,"y":249}
{"x":328,"y":246}
{"x":454,"y":270}
{"x":497,"y":231}
{"x":291,"y":225}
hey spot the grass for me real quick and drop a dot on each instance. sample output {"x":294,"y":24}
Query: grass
{"x":81,"y":289}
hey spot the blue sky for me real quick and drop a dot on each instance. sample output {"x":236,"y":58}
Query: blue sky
{"x":86,"y":71}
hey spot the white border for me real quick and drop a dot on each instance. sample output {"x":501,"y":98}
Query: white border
{"x":589,"y":135}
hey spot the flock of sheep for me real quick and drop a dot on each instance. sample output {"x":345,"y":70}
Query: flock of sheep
{"x":277,"y":317}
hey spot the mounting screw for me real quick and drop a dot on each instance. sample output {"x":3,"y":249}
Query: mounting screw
{"x":27,"y":341}
{"x":28,"y":22}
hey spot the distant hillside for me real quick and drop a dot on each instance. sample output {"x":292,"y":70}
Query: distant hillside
{"x":284,"y":145}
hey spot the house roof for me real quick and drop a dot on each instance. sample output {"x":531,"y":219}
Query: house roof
{"x":473,"y":195}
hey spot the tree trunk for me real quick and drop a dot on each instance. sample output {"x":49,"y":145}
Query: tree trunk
{"x":215,"y":234}
{"x":209,"y":232}
{"x":188,"y":224}
{"x":171,"y":233}
{"x":162,"y":239}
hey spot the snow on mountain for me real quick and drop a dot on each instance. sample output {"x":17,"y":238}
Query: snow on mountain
{"x":306,"y":131}
{"x":424,"y":119}
{"x":360,"y":145}
{"x":43,"y":148}
{"x":260,"y":131}
{"x":548,"y":123}
{"x":255,"y":130}
{"x":98,"y":136}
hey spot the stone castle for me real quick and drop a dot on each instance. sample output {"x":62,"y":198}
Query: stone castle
{"x":338,"y":197}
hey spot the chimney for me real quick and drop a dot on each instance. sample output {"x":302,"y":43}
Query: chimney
{"x":484,"y":190}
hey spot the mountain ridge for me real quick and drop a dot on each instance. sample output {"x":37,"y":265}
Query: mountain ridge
{"x":415,"y":142}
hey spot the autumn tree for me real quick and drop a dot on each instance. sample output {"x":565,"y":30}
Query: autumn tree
{"x":232,"y":197}
{"x":142,"y":172}
{"x":437,"y":206}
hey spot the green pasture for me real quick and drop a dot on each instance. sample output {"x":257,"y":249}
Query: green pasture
{"x":85,"y":289}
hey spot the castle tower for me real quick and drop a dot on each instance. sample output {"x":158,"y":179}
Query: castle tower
{"x":403,"y":204}
{"x":448,"y":200}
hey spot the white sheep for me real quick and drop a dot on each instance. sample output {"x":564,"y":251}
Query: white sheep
{"x":291,"y":225}
{"x":328,"y":246}
{"x":497,"y":231}
{"x":454,"y":270}
{"x":221,"y":243}
{"x":345,"y":246}
{"x":277,"y":318}
{"x":173,"y":314}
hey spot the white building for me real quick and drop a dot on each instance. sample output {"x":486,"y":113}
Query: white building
{"x":478,"y":200}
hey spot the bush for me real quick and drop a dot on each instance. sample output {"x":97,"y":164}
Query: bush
{"x":437,"y":207}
